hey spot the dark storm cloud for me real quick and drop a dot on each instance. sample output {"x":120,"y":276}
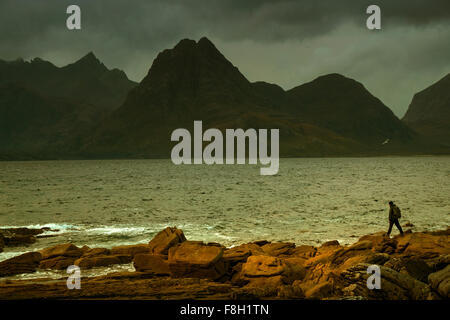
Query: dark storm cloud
{"x":286,"y":42}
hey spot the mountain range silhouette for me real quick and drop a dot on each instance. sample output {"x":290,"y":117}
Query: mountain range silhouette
{"x":85,"y":110}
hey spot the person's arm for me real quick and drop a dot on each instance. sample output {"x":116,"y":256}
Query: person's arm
{"x":391,"y":212}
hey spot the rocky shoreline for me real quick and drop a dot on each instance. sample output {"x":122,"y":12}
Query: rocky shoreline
{"x":414,"y":266}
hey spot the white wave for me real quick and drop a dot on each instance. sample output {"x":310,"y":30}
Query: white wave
{"x":61,"y":227}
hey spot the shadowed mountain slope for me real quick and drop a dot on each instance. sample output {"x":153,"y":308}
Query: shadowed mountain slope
{"x":429,"y":112}
{"x":194,"y":81}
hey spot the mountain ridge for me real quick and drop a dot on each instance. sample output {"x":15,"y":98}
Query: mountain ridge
{"x":429,"y":112}
{"x":331,"y":115}
{"x":194,"y":81}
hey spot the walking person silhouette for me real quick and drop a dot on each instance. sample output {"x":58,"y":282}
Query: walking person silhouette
{"x":394,"y":215}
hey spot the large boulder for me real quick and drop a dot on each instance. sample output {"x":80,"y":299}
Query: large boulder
{"x":241,"y":253}
{"x":131,"y":250}
{"x":263,"y":266}
{"x":267,"y":270}
{"x":194,"y":259}
{"x":66,"y":250}
{"x":166,"y":239}
{"x":25,"y":263}
{"x":440,"y":282}
{"x":425,"y":246}
{"x":278,"y":248}
{"x":150,"y":263}
{"x":352,"y":255}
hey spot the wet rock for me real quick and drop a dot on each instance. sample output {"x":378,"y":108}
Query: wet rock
{"x":66,"y":250}
{"x":95,"y":252}
{"x":263,"y":266}
{"x":386,"y":245}
{"x":99,"y":261}
{"x":356,"y":253}
{"x":439,"y":232}
{"x":331,"y":243}
{"x":261,"y":242}
{"x":14,"y":237}
{"x":122,"y":285}
{"x":85,"y":248}
{"x":377,"y":258}
{"x":320,"y":291}
{"x":2,"y":242}
{"x":278,"y":248}
{"x":272,"y":270}
{"x":394,"y":285}
{"x":131,"y":250}
{"x":197,"y":260}
{"x":19,"y":240}
{"x":415,"y":267}
{"x":269,"y":270}
{"x":306,"y":252}
{"x":61,"y":256}
{"x":166,"y":239}
{"x":423,"y":245}
{"x":22,"y":231}
{"x":124,"y":258}
{"x":144,"y":262}
{"x":57,"y":263}
{"x":361,"y":245}
{"x":290,"y":292}
{"x":440,"y":262}
{"x":440,"y":282}
{"x":25,"y":263}
{"x":241,"y":253}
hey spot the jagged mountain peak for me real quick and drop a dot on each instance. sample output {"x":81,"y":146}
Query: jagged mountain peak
{"x":89,"y":57}
{"x":193,"y":64}
{"x":89,"y":63}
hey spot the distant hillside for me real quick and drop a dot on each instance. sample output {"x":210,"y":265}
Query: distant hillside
{"x":429,"y":112}
{"x":87,"y":81}
{"x":45,"y":110}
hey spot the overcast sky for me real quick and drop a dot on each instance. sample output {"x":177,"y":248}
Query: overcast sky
{"x":282,"y":42}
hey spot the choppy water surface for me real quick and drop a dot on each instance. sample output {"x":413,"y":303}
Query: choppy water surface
{"x":109,"y":202}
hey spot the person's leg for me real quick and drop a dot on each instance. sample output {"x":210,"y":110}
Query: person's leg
{"x":399,"y":227}
{"x":391,"y":223}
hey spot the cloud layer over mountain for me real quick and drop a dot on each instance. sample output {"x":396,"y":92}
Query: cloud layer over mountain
{"x":287,"y":42}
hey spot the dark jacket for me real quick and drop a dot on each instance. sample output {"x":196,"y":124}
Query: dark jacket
{"x":391,"y":213}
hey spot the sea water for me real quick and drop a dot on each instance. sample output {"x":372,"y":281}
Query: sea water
{"x":105,"y":203}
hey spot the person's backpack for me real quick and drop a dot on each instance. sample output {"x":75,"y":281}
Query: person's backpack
{"x":397,"y":213}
